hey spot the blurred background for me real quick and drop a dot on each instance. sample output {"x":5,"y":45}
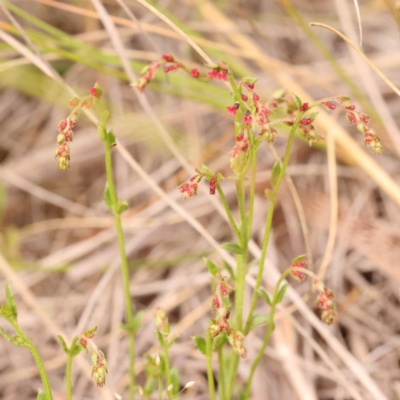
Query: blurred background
{"x":57,"y":237}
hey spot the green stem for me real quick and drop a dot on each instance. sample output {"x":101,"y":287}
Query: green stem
{"x":271,"y":327}
{"x":241,"y":258}
{"x":167,"y":368}
{"x":210,"y":375}
{"x":222,"y":383}
{"x":37,"y":358}
{"x":124,"y":263}
{"x":268,"y":225}
{"x":252,"y":190}
{"x":232,"y":374}
{"x":68,"y":370}
{"x":228,"y":211}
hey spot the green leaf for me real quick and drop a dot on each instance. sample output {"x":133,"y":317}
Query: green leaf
{"x":313,"y":115}
{"x":175,"y":380}
{"x":281,"y":294}
{"x":232,"y":247}
{"x":212,"y":268}
{"x":107,"y":196}
{"x":276,"y":171}
{"x":63,"y":344}
{"x":269,"y":194}
{"x":298,"y":101}
{"x":122,"y":206}
{"x":229,"y":270}
{"x":137,"y":321}
{"x":161,"y":339}
{"x":257,"y":320}
{"x":206,"y":171}
{"x":250,"y":79}
{"x":111,"y":138}
{"x":6,"y":335}
{"x":219,"y":341}
{"x":75,"y":350}
{"x":299,"y":259}
{"x":200,"y":344}
{"x":10,"y":301}
{"x":101,"y":132}
{"x":265,"y":296}
{"x":41,"y":395}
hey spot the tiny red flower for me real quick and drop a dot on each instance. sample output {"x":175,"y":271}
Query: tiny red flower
{"x":304,"y":107}
{"x":169,"y":68}
{"x":351,"y":117}
{"x":95,"y":93}
{"x":213,"y":184}
{"x":329,"y":105}
{"x":244,"y":97}
{"x":247,"y":118}
{"x":216,"y":301}
{"x":168,"y":57}
{"x":195,"y":73}
{"x":232,"y":109}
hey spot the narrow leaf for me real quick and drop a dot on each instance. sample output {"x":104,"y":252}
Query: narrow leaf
{"x":281,"y":294}
{"x":257,"y":320}
{"x":200,"y":344}
{"x":41,"y":395}
{"x":229,"y":270}
{"x":10,"y":301}
{"x":206,"y":170}
{"x":122,"y":206}
{"x":219,"y":341}
{"x":276,"y":171}
{"x":63,"y":344}
{"x":161,"y":338}
{"x":101,"y":132}
{"x":107,"y":196}
{"x":212,"y":268}
{"x":299,"y":103}
{"x":111,"y":138}
{"x":313,"y":115}
{"x":137,"y":321}
{"x":232,"y":247}
{"x":265,"y":296}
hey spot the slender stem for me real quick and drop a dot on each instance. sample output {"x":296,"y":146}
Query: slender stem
{"x":68,"y":381}
{"x":268,"y":225}
{"x":167,"y":367}
{"x":228,"y":211}
{"x":124,"y":265}
{"x":68,"y":370}
{"x":222,"y":383}
{"x":252,"y":190}
{"x":210,"y":375}
{"x":271,"y":327}
{"x":241,"y":258}
{"x":232,"y":375}
{"x":38,"y":359}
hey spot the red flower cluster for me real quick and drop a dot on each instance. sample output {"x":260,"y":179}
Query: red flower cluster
{"x":190,"y":189}
{"x":221,"y":322}
{"x":148,"y":76}
{"x":219,"y":73}
{"x":307,"y":127}
{"x":362,"y":120}
{"x":66,"y":126}
{"x":296,"y":274}
{"x":325,"y":303}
